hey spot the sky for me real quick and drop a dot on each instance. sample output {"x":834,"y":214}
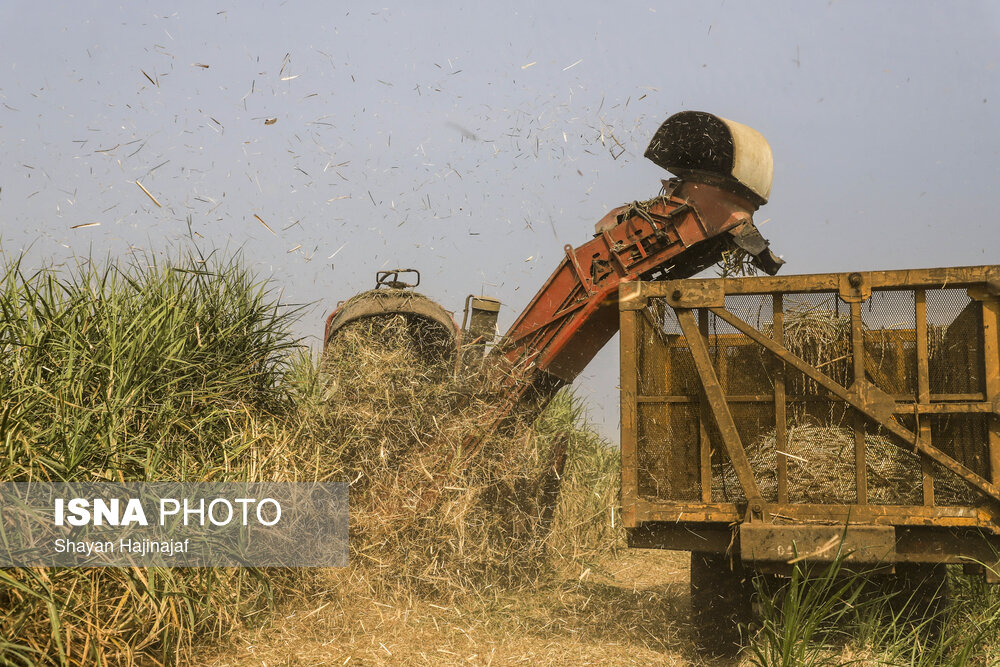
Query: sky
{"x":473,"y":140}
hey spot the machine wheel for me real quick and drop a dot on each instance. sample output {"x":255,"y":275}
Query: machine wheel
{"x":922,"y":593}
{"x":721,"y":593}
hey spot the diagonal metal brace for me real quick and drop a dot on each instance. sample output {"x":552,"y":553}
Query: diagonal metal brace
{"x":856,"y":401}
{"x":716,"y":397}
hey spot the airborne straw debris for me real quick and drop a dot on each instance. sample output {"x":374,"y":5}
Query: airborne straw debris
{"x":148,"y":194}
{"x":388,"y":387}
{"x":261,"y":221}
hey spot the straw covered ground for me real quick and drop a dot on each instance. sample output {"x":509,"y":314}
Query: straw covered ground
{"x":391,"y":400}
{"x":185,"y":369}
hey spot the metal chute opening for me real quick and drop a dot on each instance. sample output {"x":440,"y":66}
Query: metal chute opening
{"x":697,"y":145}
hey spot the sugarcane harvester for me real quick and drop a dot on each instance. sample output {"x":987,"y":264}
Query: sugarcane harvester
{"x":911,"y":379}
{"x":723,"y":173}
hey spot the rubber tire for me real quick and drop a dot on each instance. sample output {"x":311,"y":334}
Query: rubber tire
{"x":721,"y":593}
{"x":925,"y":591}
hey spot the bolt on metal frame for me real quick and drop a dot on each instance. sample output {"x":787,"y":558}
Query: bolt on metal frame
{"x":925,"y":532}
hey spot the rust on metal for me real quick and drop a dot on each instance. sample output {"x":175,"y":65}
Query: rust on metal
{"x":877,"y":403}
{"x":864,"y":544}
{"x":629,"y":420}
{"x":630,"y":296}
{"x":913,"y":365}
{"x":703,"y":295}
{"x":780,"y":399}
{"x":723,"y":418}
{"x":854,"y":287}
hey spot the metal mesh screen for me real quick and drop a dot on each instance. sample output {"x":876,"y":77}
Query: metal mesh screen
{"x":682,"y":378}
{"x":746,"y":375}
{"x":956,"y":368}
{"x":667,"y":438}
{"x":894,"y":474}
{"x":962,"y":437}
{"x":955,"y":342}
{"x":668,"y":451}
{"x":819,"y":444}
{"x":889,"y":333}
{"x":653,"y":357}
{"x":820,"y":431}
{"x":817,"y":329}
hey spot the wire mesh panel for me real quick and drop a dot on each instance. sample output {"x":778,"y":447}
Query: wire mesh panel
{"x":914,"y":350}
{"x":816,"y":439}
{"x":889,"y":330}
{"x":888,"y":323}
{"x":956,"y":369}
{"x":817,"y":329}
{"x":894,"y":474}
{"x":954,"y":329}
{"x":667,"y":437}
{"x":668,"y":451}
{"x":962,"y":437}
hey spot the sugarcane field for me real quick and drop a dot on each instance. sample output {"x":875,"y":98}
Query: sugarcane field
{"x":513,"y":334}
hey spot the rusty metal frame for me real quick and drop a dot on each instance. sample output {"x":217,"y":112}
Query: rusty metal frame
{"x":692,"y":300}
{"x":864,"y":399}
{"x":715,"y":395}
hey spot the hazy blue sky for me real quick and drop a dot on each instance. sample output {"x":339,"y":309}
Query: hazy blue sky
{"x":465,"y":139}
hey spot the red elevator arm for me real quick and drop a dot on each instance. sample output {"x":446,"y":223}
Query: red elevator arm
{"x":575,"y":313}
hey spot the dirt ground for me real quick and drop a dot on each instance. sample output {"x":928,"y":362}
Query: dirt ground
{"x":631,"y":610}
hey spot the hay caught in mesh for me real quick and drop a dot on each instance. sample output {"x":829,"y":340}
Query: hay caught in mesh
{"x":733,"y":260}
{"x":822,"y":338}
{"x":820,"y":443}
{"x":821,"y":469}
{"x":418,"y":517}
{"x":814,"y":331}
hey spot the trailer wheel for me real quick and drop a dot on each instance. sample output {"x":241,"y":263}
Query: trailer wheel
{"x":922,"y":592}
{"x":720,"y":602}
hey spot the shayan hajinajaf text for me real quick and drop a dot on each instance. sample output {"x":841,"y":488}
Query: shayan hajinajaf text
{"x":125,"y":546}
